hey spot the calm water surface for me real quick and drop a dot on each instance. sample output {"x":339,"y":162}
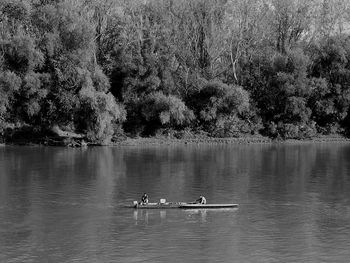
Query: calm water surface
{"x":65,"y":205}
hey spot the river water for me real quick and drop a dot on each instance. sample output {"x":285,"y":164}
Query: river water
{"x":66,"y":205}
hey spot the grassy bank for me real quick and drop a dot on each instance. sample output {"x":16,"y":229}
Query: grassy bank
{"x":174,"y":141}
{"x":258,"y":139}
{"x":59,"y":138}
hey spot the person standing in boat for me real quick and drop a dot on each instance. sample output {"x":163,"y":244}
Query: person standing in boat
{"x":201,"y":200}
{"x":144,"y":199}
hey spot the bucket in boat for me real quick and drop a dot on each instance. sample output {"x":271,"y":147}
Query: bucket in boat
{"x":162,"y":201}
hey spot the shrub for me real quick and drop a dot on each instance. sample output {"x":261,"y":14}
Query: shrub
{"x":297,"y":131}
{"x":166,"y":110}
{"x":190,"y":133}
{"x":230,"y":126}
{"x":20,"y":54}
{"x":98,"y":113}
{"x":10,"y":83}
{"x":216,"y":99}
{"x":225,"y":111}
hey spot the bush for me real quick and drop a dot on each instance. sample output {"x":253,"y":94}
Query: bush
{"x":189,"y":133}
{"x":230,"y":126}
{"x":297,"y":131}
{"x":296,"y":110}
{"x":166,"y":109}
{"x":20,"y":54}
{"x":271,"y":129}
{"x":217,"y":98}
{"x":330,"y":129}
{"x":98,"y":114}
{"x":10,"y":83}
{"x":225,"y":111}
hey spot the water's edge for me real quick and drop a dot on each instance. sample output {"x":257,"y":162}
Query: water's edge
{"x":141,"y":141}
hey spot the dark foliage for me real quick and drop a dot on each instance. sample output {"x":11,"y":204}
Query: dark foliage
{"x":173,"y":67}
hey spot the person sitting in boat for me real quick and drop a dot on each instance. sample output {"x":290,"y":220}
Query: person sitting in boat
{"x":144,"y":199}
{"x":201,"y":200}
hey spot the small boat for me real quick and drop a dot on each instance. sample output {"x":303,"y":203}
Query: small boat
{"x":182,"y":205}
{"x":207,"y":206}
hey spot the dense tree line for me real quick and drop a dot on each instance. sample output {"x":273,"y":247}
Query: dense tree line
{"x":221,"y":67}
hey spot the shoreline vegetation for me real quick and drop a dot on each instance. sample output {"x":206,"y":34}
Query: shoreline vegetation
{"x":80,"y":141}
{"x":80,"y":73}
{"x":226,"y":141}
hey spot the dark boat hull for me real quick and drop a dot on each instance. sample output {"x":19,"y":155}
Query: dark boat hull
{"x":182,"y":205}
{"x":207,"y":206}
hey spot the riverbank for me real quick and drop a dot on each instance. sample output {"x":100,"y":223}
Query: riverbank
{"x":257,"y":139}
{"x":207,"y":140}
{"x":154,"y":141}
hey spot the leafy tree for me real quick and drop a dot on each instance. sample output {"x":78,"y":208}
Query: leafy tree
{"x":166,"y":111}
{"x":50,"y":48}
{"x":219,"y":106}
{"x":10,"y":83}
{"x":331,"y":95}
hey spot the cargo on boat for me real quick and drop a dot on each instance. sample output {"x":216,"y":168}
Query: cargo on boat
{"x":157,"y":205}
